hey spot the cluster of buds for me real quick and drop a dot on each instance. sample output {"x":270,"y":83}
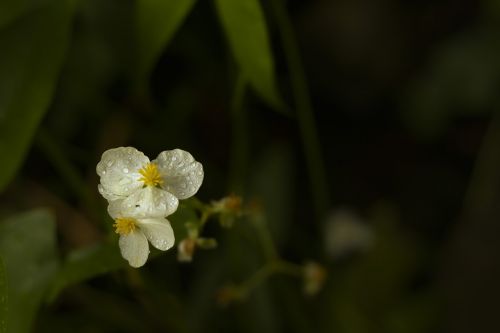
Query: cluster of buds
{"x":229,"y":209}
{"x":193,"y":241}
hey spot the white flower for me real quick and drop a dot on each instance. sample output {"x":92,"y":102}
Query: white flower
{"x":135,"y":232}
{"x":148,"y":189}
{"x":345,"y":233}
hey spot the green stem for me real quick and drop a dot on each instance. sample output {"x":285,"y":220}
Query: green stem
{"x":239,"y":148}
{"x":305,"y":115}
{"x":265,"y":238}
{"x":265,"y":272}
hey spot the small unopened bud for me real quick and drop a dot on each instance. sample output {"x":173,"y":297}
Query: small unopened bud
{"x":229,"y":208}
{"x":232,"y":203}
{"x":229,"y":204}
{"x":227,"y":295}
{"x":314,"y":278}
{"x":185,"y":250}
{"x":206,"y":243}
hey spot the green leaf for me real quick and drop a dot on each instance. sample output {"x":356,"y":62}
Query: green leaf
{"x":3,"y":298}
{"x":27,"y":247}
{"x":33,"y":49}
{"x":157,"y":23}
{"x":245,"y":28}
{"x":10,"y":10}
{"x":85,"y":264}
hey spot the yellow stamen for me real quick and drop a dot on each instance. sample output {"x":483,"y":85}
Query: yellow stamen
{"x":124,"y":225}
{"x":150,"y":175}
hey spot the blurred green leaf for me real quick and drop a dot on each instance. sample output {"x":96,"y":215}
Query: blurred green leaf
{"x":461,"y":80}
{"x":33,"y":50}
{"x":10,"y":10}
{"x":419,"y":314}
{"x":245,"y":28}
{"x":3,"y":298}
{"x":28,"y":248}
{"x":84,"y":264}
{"x":157,"y":23}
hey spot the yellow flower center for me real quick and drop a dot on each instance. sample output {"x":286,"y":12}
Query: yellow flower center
{"x":124,"y":225}
{"x":150,"y":175}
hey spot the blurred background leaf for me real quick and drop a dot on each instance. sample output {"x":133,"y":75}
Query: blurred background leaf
{"x":33,"y":49}
{"x":246,"y":31}
{"x":157,"y":22}
{"x":10,"y":10}
{"x":461,"y":81}
{"x":84,"y":264}
{"x":28,"y":249}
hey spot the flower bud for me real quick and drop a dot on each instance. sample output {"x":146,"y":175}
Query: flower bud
{"x":186,"y":250}
{"x":314,"y":278}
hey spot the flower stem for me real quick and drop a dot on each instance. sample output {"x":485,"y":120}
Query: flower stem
{"x":265,"y":238}
{"x":265,"y":272}
{"x":305,"y":116}
{"x":239,"y":148}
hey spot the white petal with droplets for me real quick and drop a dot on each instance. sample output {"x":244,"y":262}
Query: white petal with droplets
{"x":134,"y":248}
{"x":119,"y":172}
{"x":159,"y":232}
{"x":182,"y":175}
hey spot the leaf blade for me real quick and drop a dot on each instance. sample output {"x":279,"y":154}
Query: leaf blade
{"x":157,"y":23}
{"x":33,"y":50}
{"x":245,"y":29}
{"x":28,"y":249}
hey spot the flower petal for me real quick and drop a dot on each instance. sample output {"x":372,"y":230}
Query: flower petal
{"x":134,"y":247}
{"x":119,"y":172}
{"x":182,"y":175}
{"x":148,"y":202}
{"x":159,"y":232}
